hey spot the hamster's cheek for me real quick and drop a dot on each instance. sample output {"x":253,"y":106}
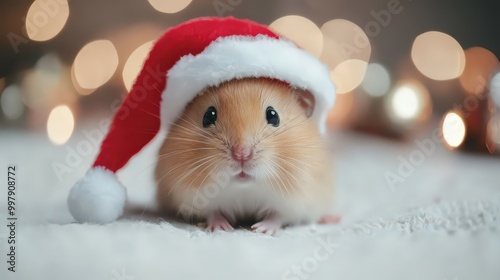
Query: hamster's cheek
{"x":264,"y":171}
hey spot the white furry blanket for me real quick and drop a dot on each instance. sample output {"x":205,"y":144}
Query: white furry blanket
{"x":441,"y":221}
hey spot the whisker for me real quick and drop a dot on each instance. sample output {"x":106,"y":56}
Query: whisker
{"x":203,"y":181}
{"x":298,"y":169}
{"x":299,"y":184}
{"x":281,"y":184}
{"x":182,"y":152}
{"x":285,"y":127}
{"x":198,"y":130}
{"x":186,"y":139}
{"x":271,"y":175}
{"x":181,"y":165}
{"x":194,"y":168}
{"x":310,"y":179}
{"x":183,"y":128}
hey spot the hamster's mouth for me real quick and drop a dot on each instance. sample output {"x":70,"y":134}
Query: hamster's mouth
{"x":243,"y":177}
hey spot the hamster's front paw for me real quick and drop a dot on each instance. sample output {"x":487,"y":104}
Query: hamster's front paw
{"x":269,"y":225}
{"x":217,"y":221}
{"x":330,"y":219}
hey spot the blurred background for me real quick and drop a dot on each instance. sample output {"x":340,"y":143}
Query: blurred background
{"x":416,"y":138}
{"x":403,"y":68}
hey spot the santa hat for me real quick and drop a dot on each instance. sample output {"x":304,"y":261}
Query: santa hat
{"x":188,"y":58}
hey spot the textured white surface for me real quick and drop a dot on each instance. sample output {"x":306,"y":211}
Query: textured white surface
{"x":441,"y":223}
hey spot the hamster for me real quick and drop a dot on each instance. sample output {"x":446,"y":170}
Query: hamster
{"x":246,"y":149}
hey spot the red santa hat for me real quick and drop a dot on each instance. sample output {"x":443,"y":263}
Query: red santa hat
{"x":188,"y":58}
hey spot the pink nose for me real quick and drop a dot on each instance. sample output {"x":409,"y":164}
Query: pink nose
{"x":241,"y":153}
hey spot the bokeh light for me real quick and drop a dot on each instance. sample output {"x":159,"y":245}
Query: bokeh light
{"x":169,"y":6}
{"x":95,"y":64}
{"x":11,"y":102}
{"x":45,"y":19}
{"x":134,"y":64}
{"x":438,"y":56}
{"x":377,"y":80}
{"x":408,"y":102}
{"x":50,"y":63}
{"x":76,"y":86}
{"x":302,"y":31}
{"x":480,"y":64}
{"x":348,"y":75}
{"x":453,"y":127}
{"x":40,"y":84}
{"x":60,"y":124}
{"x":344,"y":40}
{"x":495,"y":88}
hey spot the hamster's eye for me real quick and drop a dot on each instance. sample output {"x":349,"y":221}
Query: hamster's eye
{"x":272,"y":117}
{"x":210,"y":117}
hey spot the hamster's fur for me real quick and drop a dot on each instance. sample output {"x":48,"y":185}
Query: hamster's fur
{"x":287,"y":178}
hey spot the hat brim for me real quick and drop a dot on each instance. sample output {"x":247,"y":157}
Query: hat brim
{"x":237,"y":57}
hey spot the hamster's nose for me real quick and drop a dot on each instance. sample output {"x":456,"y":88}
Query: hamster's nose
{"x":241,"y":153}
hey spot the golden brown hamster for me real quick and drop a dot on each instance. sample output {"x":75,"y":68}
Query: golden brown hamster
{"x":246,"y":149}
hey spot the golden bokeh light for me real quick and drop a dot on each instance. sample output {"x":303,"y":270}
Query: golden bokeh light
{"x":302,"y":31}
{"x":95,"y":64}
{"x":344,"y":40}
{"x":480,"y":64}
{"x":377,"y":80}
{"x":438,"y":56}
{"x":348,"y":75}
{"x":169,"y":6}
{"x":134,"y":64}
{"x":76,"y":85}
{"x":406,"y":102}
{"x":45,"y":19}
{"x":60,"y":124}
{"x":453,"y":128}
{"x":409,"y":102}
{"x":11,"y":102}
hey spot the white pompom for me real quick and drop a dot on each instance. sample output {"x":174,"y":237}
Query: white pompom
{"x":98,"y":197}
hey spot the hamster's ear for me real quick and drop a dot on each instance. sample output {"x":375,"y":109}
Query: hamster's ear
{"x":306,"y":100}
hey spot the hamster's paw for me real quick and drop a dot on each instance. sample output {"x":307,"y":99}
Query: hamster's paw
{"x":267,"y":226}
{"x":217,"y":221}
{"x":330,"y":219}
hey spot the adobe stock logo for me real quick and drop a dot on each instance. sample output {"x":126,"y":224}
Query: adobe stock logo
{"x":219,"y":181}
{"x":223,"y":6}
{"x":426,"y":148}
{"x":382,"y":18}
{"x":325,"y":248}
{"x":417,"y":157}
{"x":74,"y":156}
